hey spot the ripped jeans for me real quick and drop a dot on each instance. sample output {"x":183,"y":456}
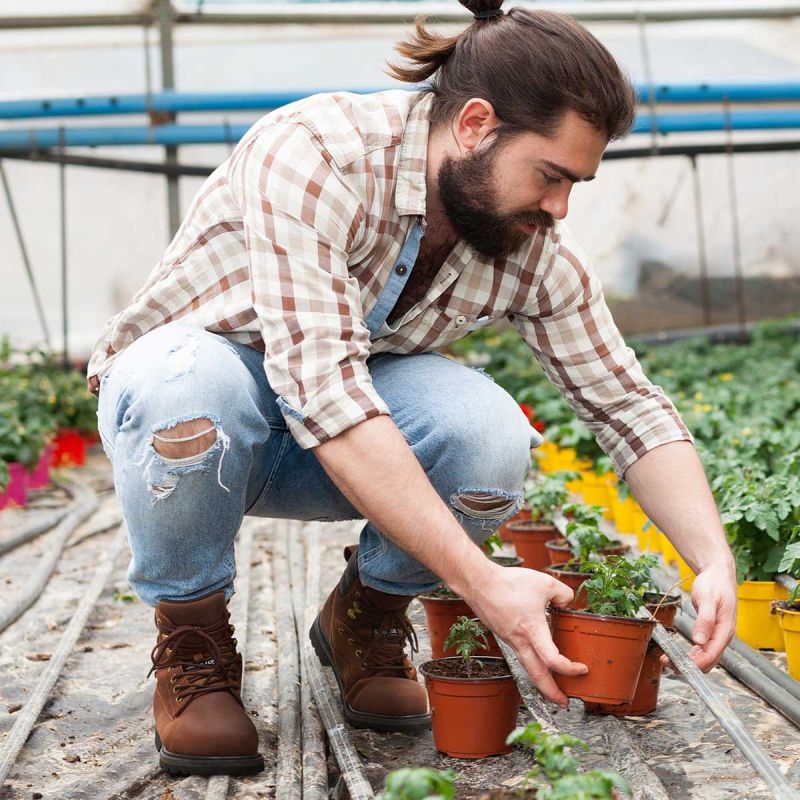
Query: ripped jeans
{"x":183,"y":514}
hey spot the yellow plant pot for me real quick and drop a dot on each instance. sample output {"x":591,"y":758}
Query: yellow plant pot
{"x":624,"y":514}
{"x":685,"y":571}
{"x":754,"y":623}
{"x":617,"y":510}
{"x":668,"y":551}
{"x":790,"y":625}
{"x":596,"y":491}
{"x":547,"y":456}
{"x":652,"y":538}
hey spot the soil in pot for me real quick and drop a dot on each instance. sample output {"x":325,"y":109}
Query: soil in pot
{"x":559,"y":552}
{"x":613,"y":648}
{"x":472,"y":716}
{"x":529,"y":539}
{"x":645,"y":699}
{"x":571,"y":575}
{"x":442,"y":609}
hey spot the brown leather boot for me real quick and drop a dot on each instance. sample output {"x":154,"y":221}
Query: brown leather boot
{"x":361,"y":633}
{"x":201,"y":725}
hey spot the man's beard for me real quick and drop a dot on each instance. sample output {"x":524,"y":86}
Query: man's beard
{"x":468,"y":197}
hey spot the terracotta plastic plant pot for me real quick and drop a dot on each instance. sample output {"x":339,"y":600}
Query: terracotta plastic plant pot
{"x":69,"y":449}
{"x":507,"y":561}
{"x":504,"y":533}
{"x":39,"y":476}
{"x":574,"y":580}
{"x":442,"y":613}
{"x":16,"y":493}
{"x":472,"y":717}
{"x":790,"y":625}
{"x":560,"y":552}
{"x":613,"y":648}
{"x":754,"y":622}
{"x":645,"y":699}
{"x":529,"y":539}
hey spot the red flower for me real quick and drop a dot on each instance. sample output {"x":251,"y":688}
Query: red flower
{"x":539,"y":426}
{"x":527,"y":411}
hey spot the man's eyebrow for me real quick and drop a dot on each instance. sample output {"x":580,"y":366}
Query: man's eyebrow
{"x":566,"y":173}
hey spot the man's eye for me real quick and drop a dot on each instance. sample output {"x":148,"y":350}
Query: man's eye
{"x":550,"y":179}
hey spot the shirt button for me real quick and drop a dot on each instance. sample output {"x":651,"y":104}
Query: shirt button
{"x":460,"y":320}
{"x":401,"y":269}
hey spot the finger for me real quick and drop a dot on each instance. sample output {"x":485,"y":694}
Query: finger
{"x":666,"y":663}
{"x":560,"y":594}
{"x":542,"y":679}
{"x":703,"y":627}
{"x":547,"y":652}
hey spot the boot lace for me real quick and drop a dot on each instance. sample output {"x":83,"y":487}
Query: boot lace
{"x":200,"y":660}
{"x":386,"y":651}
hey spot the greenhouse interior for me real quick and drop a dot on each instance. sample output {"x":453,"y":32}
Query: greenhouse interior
{"x":250,"y":252}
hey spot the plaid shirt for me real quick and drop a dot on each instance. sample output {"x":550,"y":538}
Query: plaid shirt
{"x":300,"y":243}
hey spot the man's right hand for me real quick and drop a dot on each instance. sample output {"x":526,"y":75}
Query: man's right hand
{"x":514,"y":610}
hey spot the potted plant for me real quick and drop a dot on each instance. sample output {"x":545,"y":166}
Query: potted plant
{"x":20,"y":447}
{"x":663,"y":607}
{"x":607,"y":636}
{"x":76,"y":416}
{"x":555,"y":774}
{"x":788,"y":611}
{"x":419,"y":783}
{"x":474,"y":699}
{"x":584,"y":538}
{"x":443,"y":607}
{"x":544,"y":495}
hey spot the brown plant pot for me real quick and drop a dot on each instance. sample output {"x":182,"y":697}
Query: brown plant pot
{"x":574,"y":580}
{"x":471,"y":717}
{"x":442,"y":613}
{"x":529,"y":539}
{"x":507,"y":561}
{"x":645,"y":699}
{"x":559,"y":552}
{"x":503,"y":532}
{"x":613,"y":648}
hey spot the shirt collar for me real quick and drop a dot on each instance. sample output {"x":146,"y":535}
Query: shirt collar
{"x":409,"y":196}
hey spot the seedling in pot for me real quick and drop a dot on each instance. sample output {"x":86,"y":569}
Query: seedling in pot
{"x":615,"y":588}
{"x":556,"y":775}
{"x":466,"y":636}
{"x":547,"y":494}
{"x":419,"y":783}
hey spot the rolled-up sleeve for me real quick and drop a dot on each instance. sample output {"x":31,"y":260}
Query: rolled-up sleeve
{"x":570,"y":329}
{"x":300,"y":220}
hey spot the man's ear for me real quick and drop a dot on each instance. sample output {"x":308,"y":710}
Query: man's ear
{"x":474,"y":123}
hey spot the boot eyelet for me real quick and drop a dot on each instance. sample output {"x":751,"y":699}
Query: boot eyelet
{"x":173,"y":679}
{"x":340,"y":630}
{"x":358,"y":653}
{"x":351,"y":641}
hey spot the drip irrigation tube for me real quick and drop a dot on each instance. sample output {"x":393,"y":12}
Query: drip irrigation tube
{"x":288,"y":769}
{"x":724,"y":714}
{"x":329,"y":710}
{"x":86,"y":503}
{"x":30,"y":713}
{"x":36,"y":528}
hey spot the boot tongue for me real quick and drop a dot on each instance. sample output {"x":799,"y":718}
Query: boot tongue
{"x":195,"y":612}
{"x":386,"y":602}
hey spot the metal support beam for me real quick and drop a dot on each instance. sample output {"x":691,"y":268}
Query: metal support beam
{"x":168,"y":82}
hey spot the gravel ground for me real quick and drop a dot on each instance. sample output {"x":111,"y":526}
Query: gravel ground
{"x":94,"y":737}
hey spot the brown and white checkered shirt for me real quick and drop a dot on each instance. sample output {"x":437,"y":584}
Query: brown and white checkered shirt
{"x":301,"y":241}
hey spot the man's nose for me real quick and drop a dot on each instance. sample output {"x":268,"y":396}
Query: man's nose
{"x":556,"y":202}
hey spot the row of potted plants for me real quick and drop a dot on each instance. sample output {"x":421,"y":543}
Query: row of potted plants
{"x":47,"y":417}
{"x":742,"y":404}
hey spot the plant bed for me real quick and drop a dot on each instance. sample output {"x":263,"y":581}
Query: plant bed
{"x":39,"y":476}
{"x":474,"y":700}
{"x":645,"y":699}
{"x":606,"y":637}
{"x":69,"y":448}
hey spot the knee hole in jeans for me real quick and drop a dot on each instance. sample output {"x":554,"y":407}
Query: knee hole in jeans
{"x":186,"y":439}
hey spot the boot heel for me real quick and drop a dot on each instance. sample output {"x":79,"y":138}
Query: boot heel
{"x":319,"y":644}
{"x":158,"y":741}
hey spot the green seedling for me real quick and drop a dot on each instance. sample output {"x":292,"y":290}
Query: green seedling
{"x":419,"y":783}
{"x":586,"y":541}
{"x":466,"y":636}
{"x":611,"y":590}
{"x":578,"y":512}
{"x":494,"y":542}
{"x":547,"y":494}
{"x":555,"y":775}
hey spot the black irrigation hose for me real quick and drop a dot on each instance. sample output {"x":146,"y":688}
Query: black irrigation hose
{"x":34,"y":529}
{"x":30,"y":713}
{"x":83,"y":508}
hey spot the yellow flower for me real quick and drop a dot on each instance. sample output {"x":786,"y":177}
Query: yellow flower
{"x":707,"y":406}
{"x":736,"y":440}
{"x":666,"y":372}
{"x":726,"y":376}
{"x":698,"y":409}
{"x":746,"y":431}
{"x":698,"y":396}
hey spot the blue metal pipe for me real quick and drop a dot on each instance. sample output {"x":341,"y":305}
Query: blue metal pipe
{"x":177,"y":102}
{"x":41,"y":138}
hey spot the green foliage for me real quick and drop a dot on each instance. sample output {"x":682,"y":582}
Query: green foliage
{"x":612,"y":590}
{"x":555,"y":775}
{"x":492,"y":543}
{"x":546,"y":494}
{"x":419,"y":783}
{"x":586,"y":540}
{"x":466,"y":636}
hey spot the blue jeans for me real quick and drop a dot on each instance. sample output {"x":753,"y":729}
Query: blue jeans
{"x":182,"y":515}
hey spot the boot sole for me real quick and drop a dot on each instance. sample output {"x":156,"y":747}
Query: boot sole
{"x":176,"y":764}
{"x":360,"y":719}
